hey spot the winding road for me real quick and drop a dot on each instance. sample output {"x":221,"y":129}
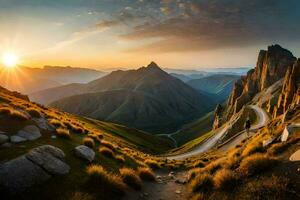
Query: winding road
{"x":263,"y":119}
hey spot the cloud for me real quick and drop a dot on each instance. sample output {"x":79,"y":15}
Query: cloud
{"x":200,"y":25}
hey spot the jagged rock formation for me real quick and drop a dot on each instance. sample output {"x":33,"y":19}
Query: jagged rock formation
{"x":218,"y":112}
{"x":271,"y":67}
{"x":290,"y":94}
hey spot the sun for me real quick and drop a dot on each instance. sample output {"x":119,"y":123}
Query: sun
{"x":10,"y":60}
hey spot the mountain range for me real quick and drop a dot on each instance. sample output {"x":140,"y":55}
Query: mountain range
{"x":147,"y":98}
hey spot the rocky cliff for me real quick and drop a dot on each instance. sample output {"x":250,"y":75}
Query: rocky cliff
{"x":290,"y":94}
{"x":271,"y":66}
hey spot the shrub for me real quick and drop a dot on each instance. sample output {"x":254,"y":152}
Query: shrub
{"x":56,"y":123}
{"x":152,"y":163}
{"x":198,"y":163}
{"x":193,"y":172}
{"x":273,"y":187}
{"x":77,"y":129}
{"x":108,"y":144}
{"x":12,"y":113}
{"x":97,"y":176}
{"x":131,"y":178}
{"x":201,"y":182}
{"x":120,"y":158}
{"x":255,"y":164}
{"x":224,"y":179}
{"x":199,"y":196}
{"x":89,"y":142}
{"x":213,"y":166}
{"x":34,"y":112}
{"x":254,"y":147}
{"x":146,"y":174}
{"x":63,"y":133}
{"x":106,"y":152}
{"x":5,"y":111}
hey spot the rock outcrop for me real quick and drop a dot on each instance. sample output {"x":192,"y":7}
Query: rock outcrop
{"x":271,"y":66}
{"x":290,"y":94}
{"x":33,"y":168}
{"x":217,"y":116}
{"x":85,"y":152}
{"x":30,"y":132}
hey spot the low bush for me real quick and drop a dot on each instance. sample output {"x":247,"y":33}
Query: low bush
{"x":254,"y":147}
{"x":152,"y":163}
{"x":120,"y":158}
{"x":201,"y":182}
{"x":256,"y":164}
{"x":224,"y":179}
{"x":146,"y":174}
{"x":56,"y":123}
{"x":89,"y":142}
{"x":131,"y":178}
{"x":12,"y":113}
{"x":108,"y":144}
{"x":97,"y":176}
{"x":34,"y":113}
{"x":193,"y":173}
{"x":63,"y":133}
{"x":106,"y":152}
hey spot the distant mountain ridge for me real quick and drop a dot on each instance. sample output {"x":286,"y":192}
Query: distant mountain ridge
{"x":147,"y":98}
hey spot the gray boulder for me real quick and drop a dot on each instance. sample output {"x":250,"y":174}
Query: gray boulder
{"x":43,"y":124}
{"x":85,"y":152}
{"x":30,"y":132}
{"x":20,"y":173}
{"x":50,"y":159}
{"x":3,"y":138}
{"x":17,"y":139}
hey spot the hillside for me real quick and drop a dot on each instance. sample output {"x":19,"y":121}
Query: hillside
{"x":147,"y":99}
{"x":29,"y":80}
{"x":219,"y":84}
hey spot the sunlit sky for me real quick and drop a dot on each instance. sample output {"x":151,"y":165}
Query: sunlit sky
{"x":130,"y":33}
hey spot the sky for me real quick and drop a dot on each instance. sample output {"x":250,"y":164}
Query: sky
{"x":189,"y":34}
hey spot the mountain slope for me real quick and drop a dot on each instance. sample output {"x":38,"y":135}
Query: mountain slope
{"x":147,"y":98}
{"x":219,"y":84}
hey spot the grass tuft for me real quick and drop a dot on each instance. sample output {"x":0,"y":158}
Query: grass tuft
{"x":131,"y":178}
{"x":34,"y":112}
{"x":97,"y":176}
{"x":201,"y":182}
{"x":224,"y":179}
{"x":106,"y":152}
{"x":63,"y":133}
{"x":89,"y":142}
{"x":120,"y":158}
{"x":146,"y":174}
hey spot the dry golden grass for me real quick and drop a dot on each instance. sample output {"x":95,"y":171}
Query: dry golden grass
{"x":194,"y":172}
{"x":109,"y":144}
{"x":215,"y":165}
{"x":63,"y":133}
{"x":201,"y":182}
{"x":146,"y":174}
{"x":270,"y":188}
{"x":106,"y":152}
{"x":97,"y":176}
{"x":56,"y":123}
{"x":279,"y":148}
{"x":120,"y":158}
{"x":34,"y":112}
{"x":131,"y":178}
{"x":256,"y":164}
{"x":198,"y":196}
{"x":224,"y":179}
{"x":81,"y":196}
{"x":253,"y":147}
{"x":89,"y":142}
{"x":13,"y":114}
{"x":199,"y":163}
{"x":152,"y":163}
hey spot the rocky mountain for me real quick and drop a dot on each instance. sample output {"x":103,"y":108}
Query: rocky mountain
{"x":29,"y":80}
{"x":220,"y":84}
{"x":147,"y":98}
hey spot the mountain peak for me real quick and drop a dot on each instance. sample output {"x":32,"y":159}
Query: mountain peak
{"x":153,"y":65}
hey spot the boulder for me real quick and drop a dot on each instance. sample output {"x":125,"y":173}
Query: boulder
{"x":50,"y":159}
{"x":85,"y":153}
{"x":295,"y":156}
{"x":3,"y":138}
{"x":30,"y":132}
{"x":5,"y":145}
{"x":43,"y":124}
{"x":20,"y":173}
{"x":17,"y":139}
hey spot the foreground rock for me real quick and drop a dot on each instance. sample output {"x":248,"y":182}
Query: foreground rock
{"x":17,"y":139}
{"x":85,"y":153}
{"x":3,"y":138}
{"x":30,"y":132}
{"x":43,"y":124}
{"x":33,"y":168}
{"x":295,"y":156}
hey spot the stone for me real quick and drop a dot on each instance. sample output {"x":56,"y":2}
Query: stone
{"x":5,"y":145}
{"x":20,"y":173}
{"x":295,"y":156}
{"x":3,"y":138}
{"x":181,"y":181}
{"x":268,"y":141}
{"x":42,"y":123}
{"x":50,"y":159}
{"x":17,"y":139}
{"x":30,"y":132}
{"x":178,"y":192}
{"x":85,"y":153}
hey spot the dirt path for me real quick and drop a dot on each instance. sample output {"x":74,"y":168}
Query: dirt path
{"x":169,"y":185}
